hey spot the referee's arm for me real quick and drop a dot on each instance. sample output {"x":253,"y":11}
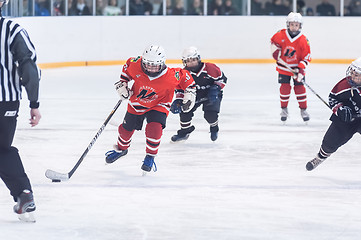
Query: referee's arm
{"x":24,"y":54}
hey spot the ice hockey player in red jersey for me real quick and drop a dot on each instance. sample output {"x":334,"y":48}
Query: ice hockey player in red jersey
{"x":345,"y":102}
{"x":210,"y":82}
{"x":150,"y":98}
{"x":292,"y":47}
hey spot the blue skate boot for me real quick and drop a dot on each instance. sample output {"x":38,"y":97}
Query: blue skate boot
{"x":113,"y":155}
{"x":148,"y":164}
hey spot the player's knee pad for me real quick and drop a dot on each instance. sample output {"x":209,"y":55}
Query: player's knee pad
{"x":154,"y":130}
{"x":285,"y":88}
{"x":299,"y":89}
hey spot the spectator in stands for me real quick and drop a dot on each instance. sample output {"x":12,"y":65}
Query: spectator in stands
{"x":216,"y":8}
{"x":42,"y":8}
{"x":230,"y":9}
{"x":57,"y":8}
{"x":354,"y":8}
{"x":178,"y":9}
{"x":309,"y":12}
{"x":136,"y":7}
{"x":256,"y":8}
{"x":112,"y":9}
{"x":196,"y":8}
{"x":301,"y":7}
{"x":79,"y":8}
{"x":62,"y":6}
{"x":100,"y":6}
{"x":276,"y":7}
{"x":325,"y":9}
{"x":148,"y":7}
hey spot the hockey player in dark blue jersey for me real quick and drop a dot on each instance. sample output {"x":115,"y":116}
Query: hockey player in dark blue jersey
{"x":210,"y":81}
{"x":345,"y":102}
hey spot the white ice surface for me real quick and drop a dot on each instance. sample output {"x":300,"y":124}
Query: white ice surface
{"x":250,"y":184}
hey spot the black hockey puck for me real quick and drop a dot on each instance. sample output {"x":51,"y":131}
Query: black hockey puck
{"x":55,"y":180}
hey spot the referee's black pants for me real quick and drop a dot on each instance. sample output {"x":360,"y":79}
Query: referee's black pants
{"x":11,"y":168}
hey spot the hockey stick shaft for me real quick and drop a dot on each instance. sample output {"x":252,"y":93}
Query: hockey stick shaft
{"x":281,"y":61}
{"x":54,"y":175}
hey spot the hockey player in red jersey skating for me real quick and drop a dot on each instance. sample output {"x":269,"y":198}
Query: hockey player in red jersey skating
{"x":210,"y":82}
{"x":150,"y":98}
{"x":345,"y":102}
{"x":292,"y":47}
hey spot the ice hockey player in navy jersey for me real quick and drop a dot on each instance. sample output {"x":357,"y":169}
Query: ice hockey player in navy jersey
{"x":345,"y":102}
{"x":210,"y":81}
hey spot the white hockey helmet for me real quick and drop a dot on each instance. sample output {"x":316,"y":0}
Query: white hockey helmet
{"x":354,"y":70}
{"x":153,"y":56}
{"x":294,"y":17}
{"x":190,"y":53}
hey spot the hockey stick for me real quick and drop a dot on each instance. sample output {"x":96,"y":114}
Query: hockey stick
{"x":58,"y":177}
{"x":303,"y":81}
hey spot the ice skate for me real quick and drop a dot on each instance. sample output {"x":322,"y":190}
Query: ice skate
{"x":179,"y":138}
{"x":214,"y":136}
{"x":182,"y":134}
{"x":284,"y":114}
{"x":214,"y":132}
{"x":113,"y":155}
{"x":148,"y":164}
{"x":304,"y":114}
{"x":25,"y":206}
{"x":314,"y":163}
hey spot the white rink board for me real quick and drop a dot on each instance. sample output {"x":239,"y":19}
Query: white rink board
{"x":66,"y":39}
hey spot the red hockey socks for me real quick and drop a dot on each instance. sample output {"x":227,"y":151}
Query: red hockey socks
{"x":153,"y":134}
{"x":300,"y":92}
{"x":124,"y":138}
{"x":285,"y":92}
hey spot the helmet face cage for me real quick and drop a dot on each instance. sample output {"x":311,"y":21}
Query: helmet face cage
{"x":153,"y":60}
{"x":190,"y":53}
{"x":354,"y":72}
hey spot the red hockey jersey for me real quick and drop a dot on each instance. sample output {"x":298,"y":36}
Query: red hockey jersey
{"x":153,"y":93}
{"x":294,"y":51}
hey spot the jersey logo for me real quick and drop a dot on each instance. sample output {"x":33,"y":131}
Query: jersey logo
{"x":147,"y":94}
{"x":135,"y":59}
{"x":177,"y":75}
{"x":290,"y":53}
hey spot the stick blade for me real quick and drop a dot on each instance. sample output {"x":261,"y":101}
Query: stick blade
{"x":56,"y":175}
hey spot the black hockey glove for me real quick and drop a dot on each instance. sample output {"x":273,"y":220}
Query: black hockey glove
{"x":345,"y":113}
{"x":213,"y":94}
{"x":176,"y":106}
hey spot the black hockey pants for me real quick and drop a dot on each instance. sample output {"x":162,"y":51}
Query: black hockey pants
{"x":210,"y":111}
{"x":11,"y":168}
{"x":339,"y":133}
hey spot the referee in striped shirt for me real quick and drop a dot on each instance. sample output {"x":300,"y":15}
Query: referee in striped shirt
{"x":17,"y":69}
